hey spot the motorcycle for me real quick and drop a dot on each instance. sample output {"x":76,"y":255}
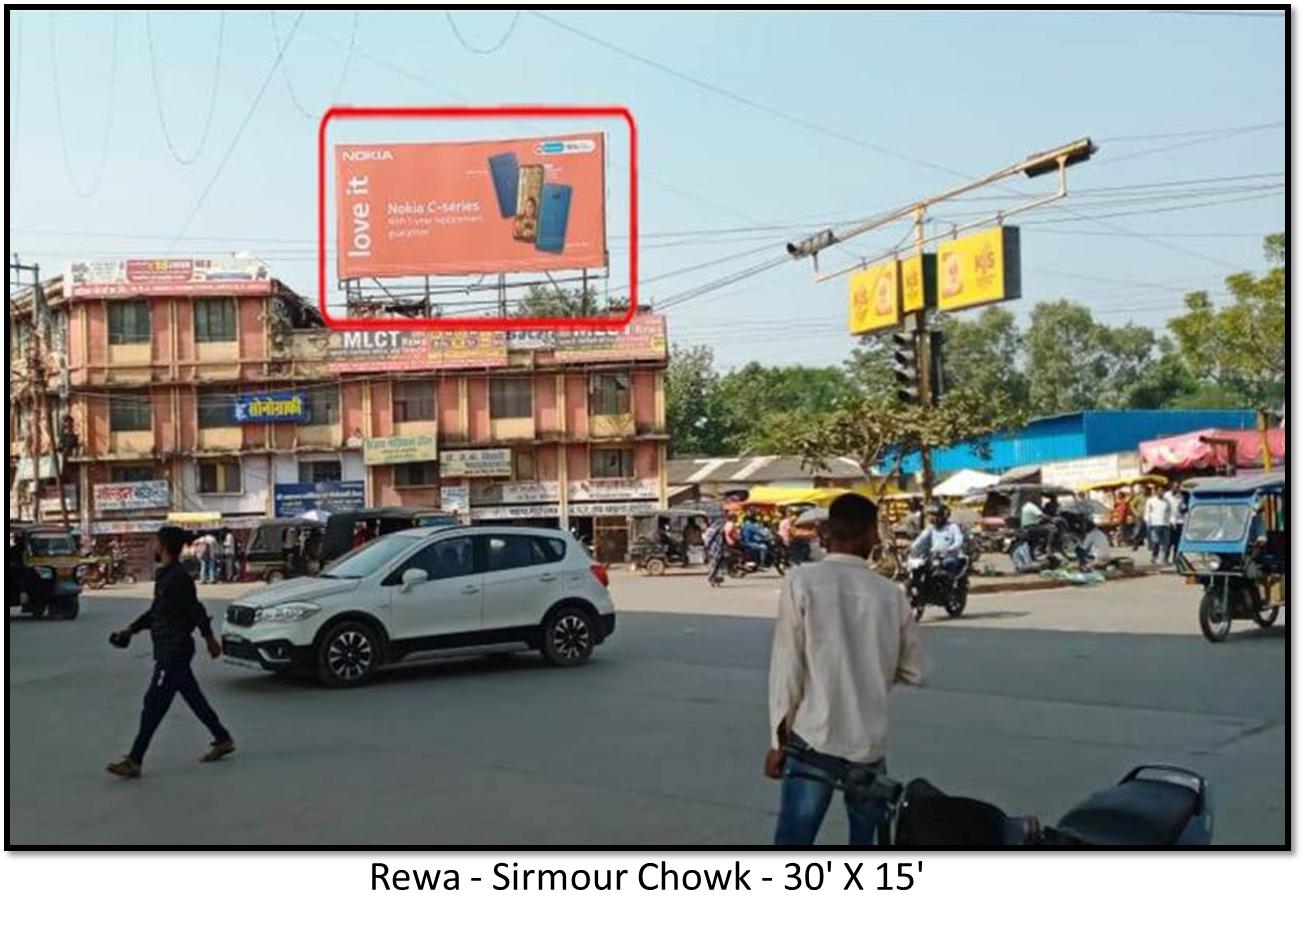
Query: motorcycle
{"x":1047,"y":545}
{"x":1152,"y":805}
{"x":741,"y":562}
{"x":928,"y":582}
{"x":104,"y":571}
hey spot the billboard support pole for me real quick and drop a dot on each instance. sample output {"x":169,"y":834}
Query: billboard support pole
{"x":502,"y":295}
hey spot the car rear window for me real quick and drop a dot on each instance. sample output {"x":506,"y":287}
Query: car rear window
{"x":548,"y":550}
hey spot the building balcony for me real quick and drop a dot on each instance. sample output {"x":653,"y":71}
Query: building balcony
{"x":606,"y":426}
{"x":511,"y":429}
{"x":221,"y":438}
{"x":131,"y":443}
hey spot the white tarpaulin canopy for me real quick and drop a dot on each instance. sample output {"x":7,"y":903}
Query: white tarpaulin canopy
{"x":962,"y":483}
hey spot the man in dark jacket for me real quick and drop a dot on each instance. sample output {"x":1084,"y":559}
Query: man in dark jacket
{"x":171,"y":620}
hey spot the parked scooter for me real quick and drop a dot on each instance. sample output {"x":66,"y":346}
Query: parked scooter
{"x":1153,"y":805}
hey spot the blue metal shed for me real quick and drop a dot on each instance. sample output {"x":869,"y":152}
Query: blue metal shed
{"x":1083,"y":434}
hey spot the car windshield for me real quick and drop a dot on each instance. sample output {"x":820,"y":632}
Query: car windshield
{"x":52,"y":544}
{"x":369,"y":557}
{"x":1217,"y":522}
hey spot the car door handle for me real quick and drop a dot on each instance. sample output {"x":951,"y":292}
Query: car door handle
{"x":547,"y":577}
{"x":471,"y":590}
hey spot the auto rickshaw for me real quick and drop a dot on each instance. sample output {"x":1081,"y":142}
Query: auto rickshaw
{"x":43,"y":571}
{"x":354,"y":527}
{"x":669,"y":537}
{"x":1234,"y":544}
{"x":284,"y":548}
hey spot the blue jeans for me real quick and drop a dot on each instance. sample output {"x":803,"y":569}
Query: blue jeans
{"x":804,"y":801}
{"x":1159,"y":542}
{"x":208,"y":570}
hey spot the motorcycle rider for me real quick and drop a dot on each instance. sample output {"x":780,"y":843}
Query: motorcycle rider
{"x":943,"y":541}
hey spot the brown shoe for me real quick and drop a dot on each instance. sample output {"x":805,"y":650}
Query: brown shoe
{"x":218,"y":750}
{"x":126,"y":767}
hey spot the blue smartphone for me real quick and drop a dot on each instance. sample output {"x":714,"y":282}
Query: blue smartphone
{"x":503,"y":169}
{"x":554,"y":211}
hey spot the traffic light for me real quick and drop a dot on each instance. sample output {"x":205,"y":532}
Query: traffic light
{"x":905,"y":367}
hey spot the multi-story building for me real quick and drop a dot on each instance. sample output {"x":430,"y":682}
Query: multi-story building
{"x":209,"y":390}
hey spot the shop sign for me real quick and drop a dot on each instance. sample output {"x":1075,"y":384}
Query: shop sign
{"x":128,"y":496}
{"x":404,"y":448}
{"x":458,"y":464}
{"x":594,"y":490}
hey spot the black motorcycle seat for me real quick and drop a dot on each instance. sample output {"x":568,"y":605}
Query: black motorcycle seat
{"x":1134,"y":813}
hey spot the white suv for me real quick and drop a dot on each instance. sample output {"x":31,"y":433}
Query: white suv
{"x":428,"y":592}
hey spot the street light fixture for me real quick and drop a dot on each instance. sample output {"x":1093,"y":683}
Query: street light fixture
{"x":1047,"y":162}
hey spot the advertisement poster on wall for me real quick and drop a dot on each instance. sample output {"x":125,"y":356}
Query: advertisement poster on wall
{"x":296,"y":498}
{"x":168,"y":277}
{"x":455,"y":497}
{"x":644,"y":338}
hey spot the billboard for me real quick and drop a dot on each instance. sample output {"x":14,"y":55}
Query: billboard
{"x":451,"y":350}
{"x":644,"y":338}
{"x":874,"y":298}
{"x":128,"y":496}
{"x":414,"y":448}
{"x":453,"y":208}
{"x":918,"y":282}
{"x":266,"y":407}
{"x":979,"y":269}
{"x":296,"y":498}
{"x":496,"y":461}
{"x":221,"y":276}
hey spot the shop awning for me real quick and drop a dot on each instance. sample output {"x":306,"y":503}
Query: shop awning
{"x":778,"y":495}
{"x":195,"y":517}
{"x":1211,"y":449}
{"x":960,"y":484}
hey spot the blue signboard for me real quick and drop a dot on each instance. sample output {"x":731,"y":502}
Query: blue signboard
{"x":266,"y":407}
{"x":292,"y":499}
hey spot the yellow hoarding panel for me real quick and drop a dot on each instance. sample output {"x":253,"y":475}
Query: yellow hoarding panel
{"x":918,"y":282}
{"x":979,"y":269}
{"x":874,"y":298}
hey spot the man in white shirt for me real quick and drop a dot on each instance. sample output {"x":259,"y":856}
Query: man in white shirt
{"x":844,"y":636}
{"x":1158,"y":517}
{"x":944,"y":540}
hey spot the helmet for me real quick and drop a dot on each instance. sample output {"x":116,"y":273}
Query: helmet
{"x":939,"y":510}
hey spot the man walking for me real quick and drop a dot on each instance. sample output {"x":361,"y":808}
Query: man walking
{"x":171,"y":620}
{"x":1157,"y":520}
{"x":843,"y":638}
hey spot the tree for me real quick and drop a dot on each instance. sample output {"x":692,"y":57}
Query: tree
{"x":1241,"y":348}
{"x":869,"y":368}
{"x":879,"y":431}
{"x":983,"y":354}
{"x":764,"y":402}
{"x":1064,"y":365}
{"x":555,"y":302}
{"x":695,"y":417}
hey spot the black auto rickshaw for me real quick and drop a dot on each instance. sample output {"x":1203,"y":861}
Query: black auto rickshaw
{"x":346,"y":530}
{"x":43,"y":571}
{"x":284,"y":548}
{"x":669,"y":537}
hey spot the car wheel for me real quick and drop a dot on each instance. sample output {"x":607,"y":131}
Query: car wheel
{"x":568,"y":637}
{"x":347,"y":655}
{"x":274,"y":576}
{"x":1215,"y":617}
{"x":655,"y":567}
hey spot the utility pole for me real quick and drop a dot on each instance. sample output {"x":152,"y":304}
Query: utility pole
{"x":924,"y":351}
{"x":39,"y":407}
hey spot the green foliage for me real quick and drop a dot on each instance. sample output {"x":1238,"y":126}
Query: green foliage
{"x":983,"y":354}
{"x":695,"y":415}
{"x":554,"y":302}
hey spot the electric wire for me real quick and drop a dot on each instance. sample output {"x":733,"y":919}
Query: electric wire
{"x":158,"y":91}
{"x":84,"y":193}
{"x":511,"y":27}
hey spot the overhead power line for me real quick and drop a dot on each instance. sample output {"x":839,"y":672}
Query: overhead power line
{"x":84,"y":193}
{"x":507,"y":34}
{"x":158,"y":91}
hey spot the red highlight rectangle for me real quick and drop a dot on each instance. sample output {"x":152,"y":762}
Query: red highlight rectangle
{"x":477,"y":112}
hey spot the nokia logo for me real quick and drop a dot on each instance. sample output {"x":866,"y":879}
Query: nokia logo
{"x":369,"y":154}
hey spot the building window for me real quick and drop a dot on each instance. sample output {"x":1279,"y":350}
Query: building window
{"x":130,"y":413}
{"x":214,"y":320}
{"x":131,"y":474}
{"x":320,"y":471}
{"x":425,"y":473}
{"x":219,"y":477}
{"x":414,"y":401}
{"x":523,"y":466}
{"x":617,"y":463}
{"x":215,"y":408}
{"x":609,"y":394}
{"x":129,"y":322}
{"x":511,"y":398}
{"x":323,"y":405}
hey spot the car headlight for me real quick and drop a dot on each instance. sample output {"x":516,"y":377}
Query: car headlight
{"x":284,"y":613}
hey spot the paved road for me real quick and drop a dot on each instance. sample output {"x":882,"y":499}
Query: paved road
{"x":1036,"y":699}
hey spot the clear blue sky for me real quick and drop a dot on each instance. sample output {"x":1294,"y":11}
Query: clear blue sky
{"x":967,"y":91}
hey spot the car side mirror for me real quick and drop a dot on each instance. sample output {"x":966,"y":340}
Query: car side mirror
{"x":413,"y":577}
